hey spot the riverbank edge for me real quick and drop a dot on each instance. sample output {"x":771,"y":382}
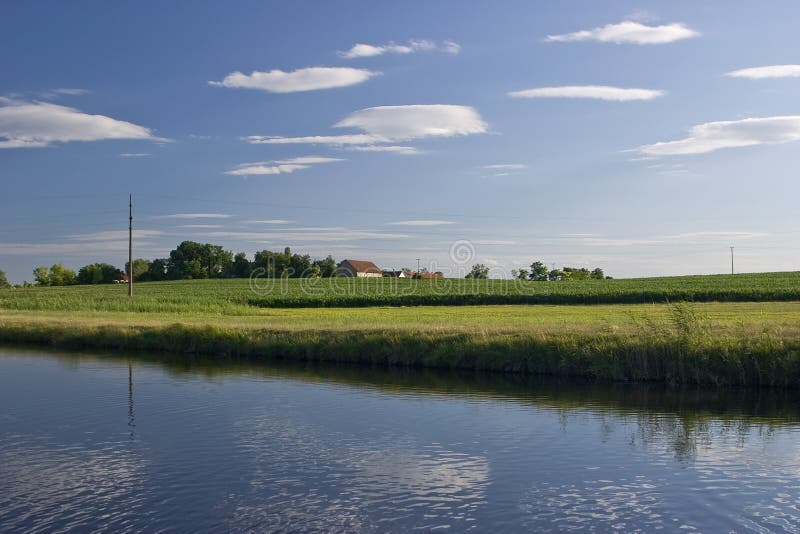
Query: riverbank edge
{"x":678,"y":358}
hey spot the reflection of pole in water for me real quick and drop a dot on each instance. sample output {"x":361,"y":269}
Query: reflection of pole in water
{"x":131,"y":421}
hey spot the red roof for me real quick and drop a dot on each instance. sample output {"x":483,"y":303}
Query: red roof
{"x":363,"y":266}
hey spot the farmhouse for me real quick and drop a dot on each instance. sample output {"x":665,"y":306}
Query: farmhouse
{"x":397,"y":274}
{"x":358,"y":269}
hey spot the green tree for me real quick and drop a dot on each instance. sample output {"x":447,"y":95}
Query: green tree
{"x":41,"y":275}
{"x":140,"y":268}
{"x":99,"y":273}
{"x":57,"y":275}
{"x":240,"y":267}
{"x":157,"y":270}
{"x":3,"y":280}
{"x":327,"y":267}
{"x":479,"y":271}
{"x":597,"y":274}
{"x":538,"y":271}
{"x":555,"y":275}
{"x":574,"y":273}
{"x":520,"y":274}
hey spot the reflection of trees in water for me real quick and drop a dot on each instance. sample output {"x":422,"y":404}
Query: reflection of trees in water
{"x":687,"y":419}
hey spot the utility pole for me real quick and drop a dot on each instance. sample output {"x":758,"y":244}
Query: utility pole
{"x":418,"y":266}
{"x":731,"y":260}
{"x":130,"y":246}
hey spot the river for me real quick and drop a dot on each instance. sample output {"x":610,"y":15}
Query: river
{"x":133,"y":443}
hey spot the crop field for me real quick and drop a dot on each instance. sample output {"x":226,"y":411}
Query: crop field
{"x":241,"y":296}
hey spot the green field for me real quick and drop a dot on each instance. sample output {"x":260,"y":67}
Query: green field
{"x":239,"y":296}
{"x":741,"y":330}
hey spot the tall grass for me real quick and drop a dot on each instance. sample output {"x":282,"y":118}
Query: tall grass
{"x":676,"y":352}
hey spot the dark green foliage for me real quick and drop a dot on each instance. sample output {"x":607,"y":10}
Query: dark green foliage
{"x":538,"y":272}
{"x":190,"y":261}
{"x":479,"y":271}
{"x":240,"y":267}
{"x":99,"y":273}
{"x":268,"y":264}
{"x":140,"y":267}
{"x":3,"y":280}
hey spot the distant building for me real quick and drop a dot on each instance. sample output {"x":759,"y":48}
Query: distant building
{"x":426,"y":276}
{"x":358,"y":269}
{"x":397,"y":274}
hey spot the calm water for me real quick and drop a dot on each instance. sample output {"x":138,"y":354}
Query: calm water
{"x":111,"y":444}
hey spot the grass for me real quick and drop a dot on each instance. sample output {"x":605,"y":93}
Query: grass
{"x":239,"y":296}
{"x":719,"y":343}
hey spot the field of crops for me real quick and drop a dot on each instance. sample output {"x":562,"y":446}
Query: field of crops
{"x":239,"y":297}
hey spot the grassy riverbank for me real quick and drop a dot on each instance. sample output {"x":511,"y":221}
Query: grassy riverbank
{"x":711,"y":343}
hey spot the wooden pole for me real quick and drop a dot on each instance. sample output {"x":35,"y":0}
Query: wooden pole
{"x":130,"y":246}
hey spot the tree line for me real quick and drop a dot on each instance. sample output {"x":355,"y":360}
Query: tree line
{"x":191,"y":261}
{"x":540,"y":273}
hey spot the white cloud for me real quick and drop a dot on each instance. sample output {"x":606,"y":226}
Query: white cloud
{"x":279,"y":166}
{"x":338,"y":140}
{"x":692,"y":236}
{"x":269,"y":221}
{"x":200,"y":226}
{"x":309,"y":79}
{"x":422,"y":222}
{"x":629,"y":32}
{"x":385,"y":124}
{"x":712,"y":136}
{"x":415,"y":121}
{"x":360,"y":50}
{"x":112,"y":235}
{"x":134,"y":155}
{"x":506,"y":166}
{"x":770,"y":71}
{"x":402,"y":150}
{"x":194,"y":216}
{"x":40,"y":124}
{"x":600,"y":92}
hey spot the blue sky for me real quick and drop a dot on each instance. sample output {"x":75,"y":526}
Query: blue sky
{"x":642,"y":137}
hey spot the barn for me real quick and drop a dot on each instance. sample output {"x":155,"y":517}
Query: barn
{"x":358,"y":269}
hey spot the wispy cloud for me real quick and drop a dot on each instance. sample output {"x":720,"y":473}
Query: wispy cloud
{"x":769,"y":71}
{"x":599,"y":92}
{"x":308,"y":234}
{"x":285,"y":166}
{"x":134,"y":155}
{"x":194,"y":216}
{"x":421,"y":222}
{"x":629,"y":32}
{"x":493,"y":242}
{"x":70,"y":91}
{"x":113,"y":235}
{"x":361,"y":50}
{"x":386,"y":124}
{"x":269,"y":221}
{"x":506,"y":166}
{"x":601,"y":242}
{"x":40,"y":124}
{"x":395,"y":149}
{"x":308,"y":79}
{"x":727,"y":235}
{"x":712,"y":136}
{"x":200,"y":226}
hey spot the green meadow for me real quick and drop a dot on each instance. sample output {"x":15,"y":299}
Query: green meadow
{"x":715,"y":330}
